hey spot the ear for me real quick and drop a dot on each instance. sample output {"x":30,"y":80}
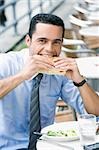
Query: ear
{"x":27,"y":40}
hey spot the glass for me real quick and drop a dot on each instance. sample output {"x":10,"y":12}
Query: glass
{"x":91,"y":147}
{"x":87,"y":128}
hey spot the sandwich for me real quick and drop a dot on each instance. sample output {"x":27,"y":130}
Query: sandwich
{"x":53,"y":71}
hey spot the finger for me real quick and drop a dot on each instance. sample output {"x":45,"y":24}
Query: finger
{"x":64,"y":61}
{"x":43,"y":59}
{"x":44,"y":66}
{"x":65,"y":64}
{"x":62,"y":58}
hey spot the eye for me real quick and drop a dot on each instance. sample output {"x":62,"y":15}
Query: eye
{"x":42,"y":41}
{"x":57,"y":42}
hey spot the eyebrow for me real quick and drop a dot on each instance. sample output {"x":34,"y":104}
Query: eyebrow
{"x":60,"y":40}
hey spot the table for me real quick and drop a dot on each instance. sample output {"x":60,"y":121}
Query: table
{"x":89,"y":66}
{"x":43,"y":145}
{"x":90,"y":31}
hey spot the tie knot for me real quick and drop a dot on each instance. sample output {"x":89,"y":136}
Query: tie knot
{"x":38,"y":77}
{"x":36,"y":80}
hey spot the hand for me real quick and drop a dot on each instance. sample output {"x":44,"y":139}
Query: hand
{"x":34,"y":64}
{"x":70,"y":66}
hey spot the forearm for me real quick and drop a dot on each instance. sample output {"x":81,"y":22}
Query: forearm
{"x":90,"y":99}
{"x":8,"y":84}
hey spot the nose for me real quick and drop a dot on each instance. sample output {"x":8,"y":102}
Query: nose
{"x":49,"y":46}
{"x":51,"y":49}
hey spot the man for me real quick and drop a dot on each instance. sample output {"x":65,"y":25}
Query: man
{"x":17,"y":69}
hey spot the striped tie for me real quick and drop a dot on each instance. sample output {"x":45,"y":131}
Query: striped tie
{"x":34,"y":113}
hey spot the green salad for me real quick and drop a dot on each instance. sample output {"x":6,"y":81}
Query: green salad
{"x":60,"y":133}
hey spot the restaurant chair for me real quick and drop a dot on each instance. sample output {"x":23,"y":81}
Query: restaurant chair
{"x":82,"y":12}
{"x":91,"y":42}
{"x":90,"y":35}
{"x":77,"y":24}
{"x":79,"y":49}
{"x":64,"y":112}
{"x":72,"y":42}
{"x":87,"y":15}
{"x":81,"y":23}
{"x":68,"y":35}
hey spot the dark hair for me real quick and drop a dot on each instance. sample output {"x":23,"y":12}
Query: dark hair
{"x":47,"y":19}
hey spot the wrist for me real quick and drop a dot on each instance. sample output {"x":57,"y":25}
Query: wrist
{"x":22,"y":76}
{"x":79,"y":79}
{"x":80,"y":83}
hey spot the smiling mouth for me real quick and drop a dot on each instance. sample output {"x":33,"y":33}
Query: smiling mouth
{"x":49,"y":55}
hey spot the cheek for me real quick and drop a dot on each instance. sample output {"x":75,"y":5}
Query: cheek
{"x":58,"y":51}
{"x":35,"y":48}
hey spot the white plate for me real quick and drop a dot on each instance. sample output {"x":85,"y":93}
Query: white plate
{"x":62,"y":127}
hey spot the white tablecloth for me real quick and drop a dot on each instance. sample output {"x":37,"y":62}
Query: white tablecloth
{"x":43,"y":145}
{"x":89,"y":66}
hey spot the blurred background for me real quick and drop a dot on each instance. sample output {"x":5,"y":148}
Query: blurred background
{"x":15,"y":16}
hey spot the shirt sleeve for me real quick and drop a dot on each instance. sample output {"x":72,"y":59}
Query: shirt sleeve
{"x":71,"y":95}
{"x":3,"y":66}
{"x":9,"y":64}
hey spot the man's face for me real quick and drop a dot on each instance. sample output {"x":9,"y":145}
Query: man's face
{"x":46,"y":40}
